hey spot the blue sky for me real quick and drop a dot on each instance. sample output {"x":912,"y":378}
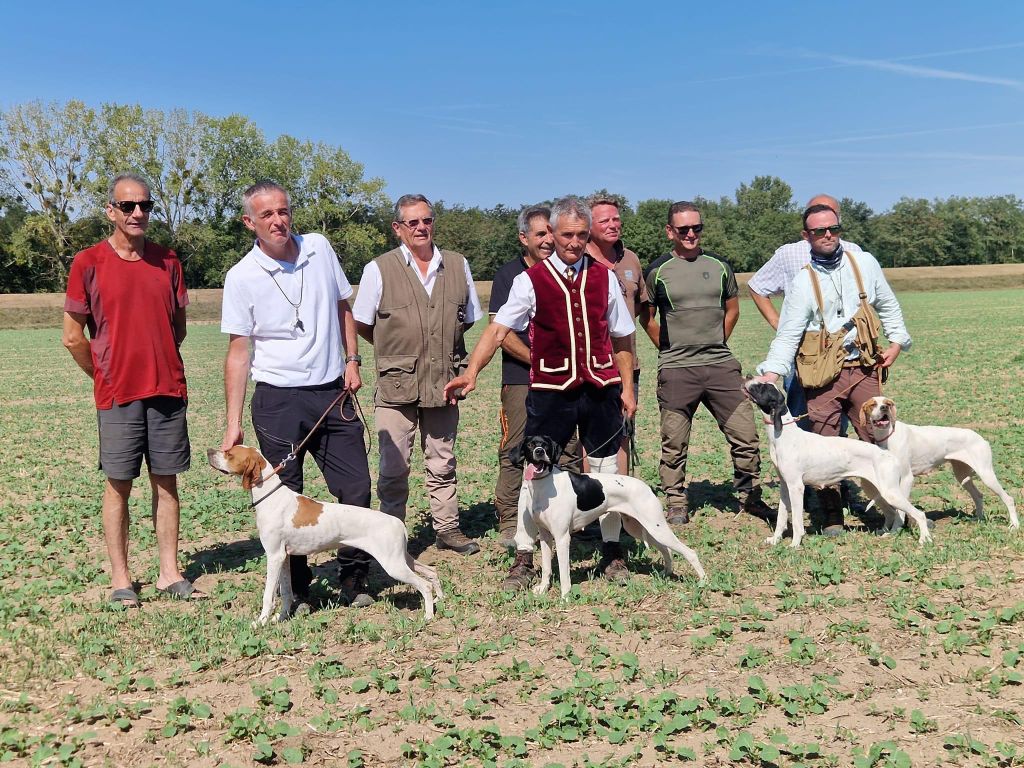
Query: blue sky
{"x":486,"y":103}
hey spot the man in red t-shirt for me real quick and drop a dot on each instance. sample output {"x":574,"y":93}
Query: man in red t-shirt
{"x":131,"y":295}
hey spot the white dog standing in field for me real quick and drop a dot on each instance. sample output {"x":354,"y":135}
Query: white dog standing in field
{"x":924,"y":449}
{"x":805,"y":458}
{"x":292,"y":524}
{"x":553,"y":504}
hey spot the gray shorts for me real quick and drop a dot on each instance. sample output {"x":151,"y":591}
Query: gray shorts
{"x":154,"y":428}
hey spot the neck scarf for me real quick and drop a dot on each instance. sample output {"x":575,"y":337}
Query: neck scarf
{"x":828,"y":260}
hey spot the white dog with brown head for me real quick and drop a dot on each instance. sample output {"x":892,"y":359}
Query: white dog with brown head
{"x":924,"y":449}
{"x":292,"y":524}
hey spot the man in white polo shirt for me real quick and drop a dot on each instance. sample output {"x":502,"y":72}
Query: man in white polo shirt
{"x":287,"y":312}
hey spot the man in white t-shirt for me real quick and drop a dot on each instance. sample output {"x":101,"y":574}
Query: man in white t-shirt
{"x":286,"y":309}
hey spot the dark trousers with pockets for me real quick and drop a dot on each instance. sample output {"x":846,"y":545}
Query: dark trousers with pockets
{"x":283,"y":416}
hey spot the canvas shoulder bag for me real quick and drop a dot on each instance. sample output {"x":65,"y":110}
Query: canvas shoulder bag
{"x":821,"y":355}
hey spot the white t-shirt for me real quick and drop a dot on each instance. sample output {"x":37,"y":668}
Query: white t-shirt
{"x":260,"y":298}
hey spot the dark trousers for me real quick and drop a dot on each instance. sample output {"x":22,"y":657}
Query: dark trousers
{"x":596,"y":412}
{"x":282,"y":417}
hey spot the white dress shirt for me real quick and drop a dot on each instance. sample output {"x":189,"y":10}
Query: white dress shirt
{"x":371,"y":288}
{"x":521,"y":306}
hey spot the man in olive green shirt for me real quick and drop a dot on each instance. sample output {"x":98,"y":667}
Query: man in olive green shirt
{"x":693,"y":292}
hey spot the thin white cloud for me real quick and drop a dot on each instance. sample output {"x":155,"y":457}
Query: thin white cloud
{"x":924,"y":72}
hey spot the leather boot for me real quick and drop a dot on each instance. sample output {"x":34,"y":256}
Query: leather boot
{"x":831,"y":505}
{"x":521,"y":574}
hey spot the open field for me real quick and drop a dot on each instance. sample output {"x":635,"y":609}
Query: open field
{"x":42,"y":310}
{"x":858,"y":651}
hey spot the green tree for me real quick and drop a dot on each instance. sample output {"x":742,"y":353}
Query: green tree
{"x":167,"y":148}
{"x":765,"y":217}
{"x":47,"y":167}
{"x":911,"y":235}
{"x":644,"y":231}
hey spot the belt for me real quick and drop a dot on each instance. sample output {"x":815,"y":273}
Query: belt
{"x":338,"y":383}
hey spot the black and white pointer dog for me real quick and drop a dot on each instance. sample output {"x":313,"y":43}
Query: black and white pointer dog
{"x":805,"y":458}
{"x":553,"y":504}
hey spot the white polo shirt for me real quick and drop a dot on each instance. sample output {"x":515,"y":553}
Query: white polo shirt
{"x":371,"y":289}
{"x":255,"y":305}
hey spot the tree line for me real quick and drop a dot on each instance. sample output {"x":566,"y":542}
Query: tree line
{"x":57,"y":159}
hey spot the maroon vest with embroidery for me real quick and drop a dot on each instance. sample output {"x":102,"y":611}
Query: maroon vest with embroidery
{"x":569,"y":340}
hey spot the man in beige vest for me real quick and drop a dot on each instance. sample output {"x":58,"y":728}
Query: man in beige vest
{"x":414,"y":305}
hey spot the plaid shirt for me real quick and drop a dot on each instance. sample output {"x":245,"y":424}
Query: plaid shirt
{"x":776,"y":275}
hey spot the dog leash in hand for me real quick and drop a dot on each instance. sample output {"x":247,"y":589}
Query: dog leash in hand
{"x":296,"y":450}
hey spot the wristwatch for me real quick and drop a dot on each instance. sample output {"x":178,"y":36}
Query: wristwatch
{"x":357,"y":359}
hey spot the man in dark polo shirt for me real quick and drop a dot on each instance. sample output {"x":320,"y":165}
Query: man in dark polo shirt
{"x":694,"y":294}
{"x":535,"y":235}
{"x":131,"y":295}
{"x":581,"y":365}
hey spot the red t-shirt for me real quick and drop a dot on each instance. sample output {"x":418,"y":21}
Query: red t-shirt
{"x":130,"y":307}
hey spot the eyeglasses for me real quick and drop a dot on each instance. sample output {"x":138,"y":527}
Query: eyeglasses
{"x":835,"y":229}
{"x":681,"y":231}
{"x":128,"y":206}
{"x":413,"y":223}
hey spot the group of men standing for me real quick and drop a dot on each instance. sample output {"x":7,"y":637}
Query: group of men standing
{"x":564,"y":314}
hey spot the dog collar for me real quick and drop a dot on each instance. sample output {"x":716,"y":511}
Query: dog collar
{"x":792,"y":420}
{"x":280,"y":485}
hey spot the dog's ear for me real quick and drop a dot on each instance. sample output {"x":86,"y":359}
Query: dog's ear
{"x":865,"y":412}
{"x":778,"y":411}
{"x":252,"y":471}
{"x":892,"y":408}
{"x":515,"y":455}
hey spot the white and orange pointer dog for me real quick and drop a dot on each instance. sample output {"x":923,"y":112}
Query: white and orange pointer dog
{"x":292,"y":524}
{"x":924,"y":449}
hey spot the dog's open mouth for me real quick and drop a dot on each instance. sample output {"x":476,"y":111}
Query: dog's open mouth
{"x":534,"y":470}
{"x":882,"y":421}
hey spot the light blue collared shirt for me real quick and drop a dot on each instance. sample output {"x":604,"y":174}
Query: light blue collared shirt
{"x":841,"y":301}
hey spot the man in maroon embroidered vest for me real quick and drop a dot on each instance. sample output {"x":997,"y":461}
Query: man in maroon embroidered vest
{"x":581,"y":363}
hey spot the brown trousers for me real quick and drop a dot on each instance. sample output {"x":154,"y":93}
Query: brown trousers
{"x":846,"y":395}
{"x":719,"y":387}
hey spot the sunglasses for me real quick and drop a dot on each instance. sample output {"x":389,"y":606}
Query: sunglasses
{"x":128,"y":206}
{"x":681,"y":231}
{"x":835,"y":229}
{"x":413,"y":223}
